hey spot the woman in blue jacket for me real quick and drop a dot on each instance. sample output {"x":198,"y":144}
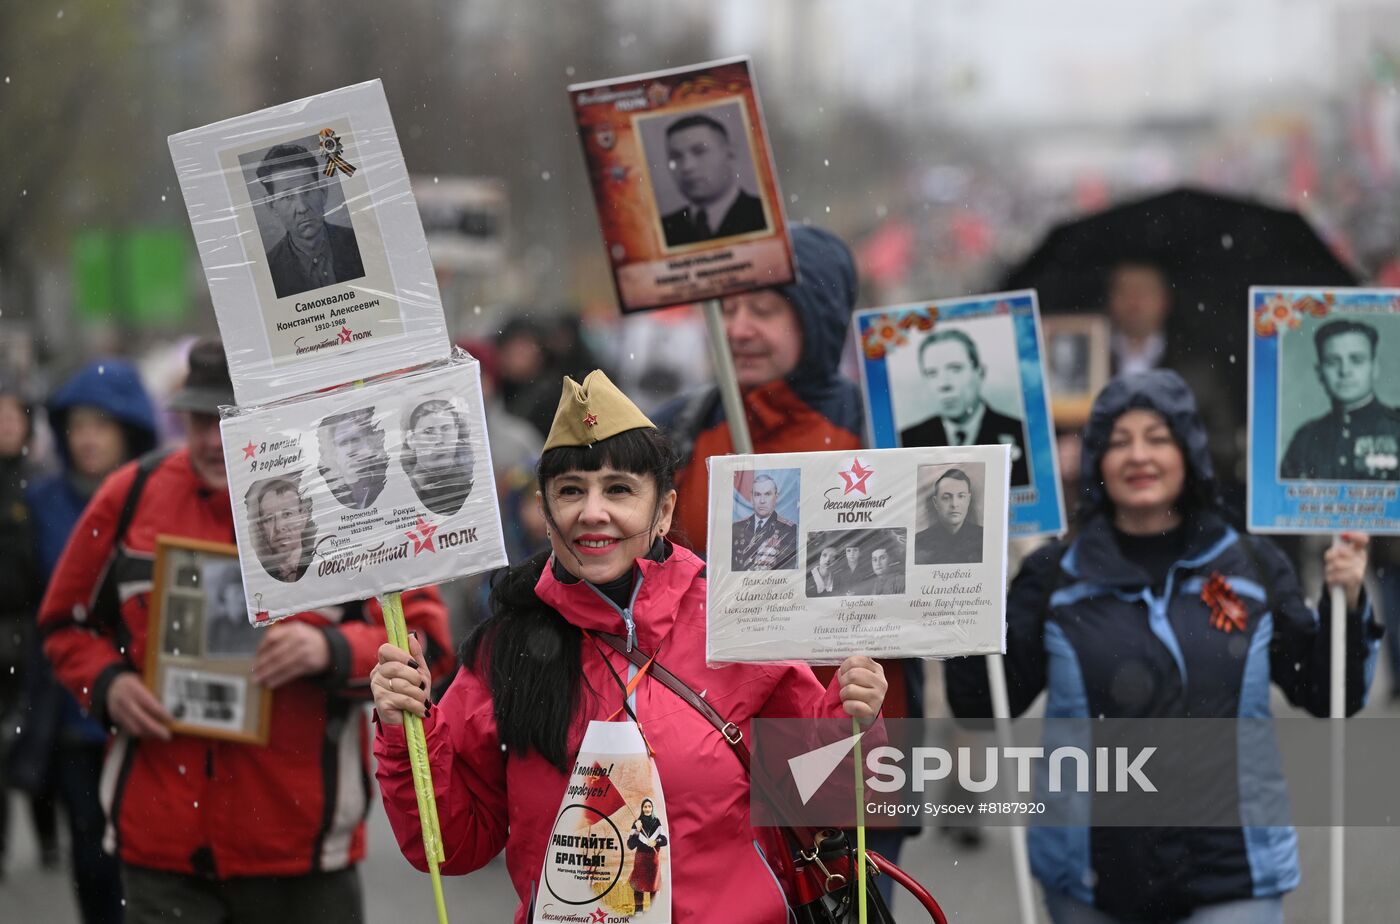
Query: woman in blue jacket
{"x":101,"y":418}
{"x":1125,"y":621}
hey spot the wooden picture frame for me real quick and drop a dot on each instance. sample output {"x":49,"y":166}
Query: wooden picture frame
{"x":1076,"y":365}
{"x":200,"y":645}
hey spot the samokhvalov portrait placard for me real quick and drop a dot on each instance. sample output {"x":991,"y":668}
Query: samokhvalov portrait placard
{"x":312,"y":244}
{"x":1324,"y":410}
{"x":356,"y":492}
{"x":886,"y":552}
{"x":967,"y":372}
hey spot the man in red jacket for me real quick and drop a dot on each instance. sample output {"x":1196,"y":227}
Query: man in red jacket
{"x":208,"y":830}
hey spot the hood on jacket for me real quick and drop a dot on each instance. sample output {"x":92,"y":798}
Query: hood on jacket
{"x":1159,"y":390}
{"x":824,"y":296}
{"x":110,"y":385}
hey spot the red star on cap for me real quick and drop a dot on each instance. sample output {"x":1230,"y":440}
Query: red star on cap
{"x":591,"y":420}
{"x":250,"y":450}
{"x":856,"y":477}
{"x":345,"y":334}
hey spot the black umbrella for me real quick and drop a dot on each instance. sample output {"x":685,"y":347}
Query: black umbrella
{"x":1211,"y":247}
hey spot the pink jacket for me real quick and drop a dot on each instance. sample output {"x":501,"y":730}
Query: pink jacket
{"x":488,"y":800}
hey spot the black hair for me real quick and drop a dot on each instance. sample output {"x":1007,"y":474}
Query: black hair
{"x":285,"y":158}
{"x":1343,"y":326}
{"x":696,"y":121}
{"x":956,"y":474}
{"x":941,"y":335}
{"x":529,"y":654}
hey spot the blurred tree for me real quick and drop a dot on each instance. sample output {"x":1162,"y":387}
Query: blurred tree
{"x":68,"y":140}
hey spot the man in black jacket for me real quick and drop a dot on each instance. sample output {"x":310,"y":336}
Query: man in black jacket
{"x":953,"y":370}
{"x":701,"y":159}
{"x":314,"y":252}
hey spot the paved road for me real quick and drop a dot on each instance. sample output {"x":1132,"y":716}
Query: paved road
{"x":974,"y":886}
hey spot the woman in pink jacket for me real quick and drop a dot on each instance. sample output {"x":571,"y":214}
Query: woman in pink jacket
{"x":503,"y":739}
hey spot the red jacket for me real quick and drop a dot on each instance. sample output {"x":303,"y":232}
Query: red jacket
{"x":489,"y":800}
{"x":199,"y":805}
{"x":779,"y":421}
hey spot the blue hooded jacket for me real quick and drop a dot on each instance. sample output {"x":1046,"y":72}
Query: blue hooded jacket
{"x":1088,"y":625}
{"x":56,"y":503}
{"x":110,"y":385}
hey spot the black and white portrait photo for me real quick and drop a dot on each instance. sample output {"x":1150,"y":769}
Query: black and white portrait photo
{"x":184,"y":618}
{"x":284,"y":533}
{"x":437,"y":455}
{"x":702,"y":173}
{"x":851,"y":562}
{"x":1337,"y":411}
{"x":306,"y":231}
{"x":354,"y":461}
{"x":950,"y":514}
{"x":227,"y":631}
{"x":958,"y":397}
{"x":765,"y":520}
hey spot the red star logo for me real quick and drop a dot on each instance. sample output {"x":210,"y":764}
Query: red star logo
{"x":591,"y":420}
{"x":250,"y":450}
{"x":598,"y":916}
{"x":856,"y":477}
{"x":345,"y":334}
{"x":423,"y":537}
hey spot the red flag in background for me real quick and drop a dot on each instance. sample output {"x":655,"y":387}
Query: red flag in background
{"x":603,"y":796}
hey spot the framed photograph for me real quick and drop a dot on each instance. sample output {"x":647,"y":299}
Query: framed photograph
{"x":312,"y":244}
{"x":200,"y":643}
{"x":355,"y":492}
{"x":687,"y":196}
{"x":967,"y":372}
{"x":1077,"y":364}
{"x":887,"y":552}
{"x":1324,"y":410}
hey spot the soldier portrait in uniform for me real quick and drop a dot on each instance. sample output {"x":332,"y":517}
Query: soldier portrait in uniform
{"x":949,"y":518}
{"x":703,"y":177}
{"x":308,"y":238}
{"x":1358,"y":439}
{"x":888,"y":571}
{"x":763,"y":538}
{"x":953,"y":379}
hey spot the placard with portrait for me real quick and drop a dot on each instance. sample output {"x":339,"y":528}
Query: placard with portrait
{"x":311,"y":243}
{"x":1324,"y":410}
{"x":887,"y":552}
{"x":360,"y":491}
{"x":967,"y":372}
{"x":687,"y":195}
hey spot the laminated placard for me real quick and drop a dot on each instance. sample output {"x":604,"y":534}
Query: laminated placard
{"x":357,"y":492}
{"x":967,"y":372}
{"x":311,"y":243}
{"x":892,"y":553}
{"x":687,"y":196}
{"x":1324,"y":410}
